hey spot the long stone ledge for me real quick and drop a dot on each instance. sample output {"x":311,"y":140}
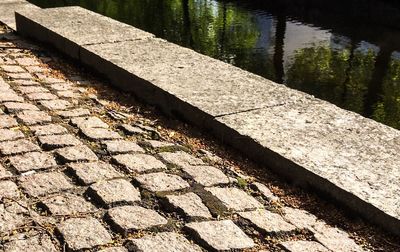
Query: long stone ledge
{"x":314,"y":143}
{"x":8,"y":8}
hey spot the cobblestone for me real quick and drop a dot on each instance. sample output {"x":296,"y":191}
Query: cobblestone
{"x":8,"y":189}
{"x":50,"y":129}
{"x":15,"y":107}
{"x":4,"y":173}
{"x":56,"y":104}
{"x":161,"y":182}
{"x":88,"y":122}
{"x":13,"y":69}
{"x":73,"y":113}
{"x":114,"y":192}
{"x":17,"y":147}
{"x":69,"y":94}
{"x":267,"y":221}
{"x":206,"y":175}
{"x":27,"y":61}
{"x":7,"y":122}
{"x":235,"y":199}
{"x":44,"y":183}
{"x":11,"y":217}
{"x":220,"y":235}
{"x":166,"y":242}
{"x":114,"y":249}
{"x":9,"y":135}
{"x":89,"y":173}
{"x":34,"y":117}
{"x":303,"y":246}
{"x":37,"y":243}
{"x":83,"y":233}
{"x":32,"y":89}
{"x":79,"y":153}
{"x":20,"y":76}
{"x":334,"y":238}
{"x":139,"y":163}
{"x":122,"y":146}
{"x":51,"y":142}
{"x":67,"y":204}
{"x":189,"y":204}
{"x":180,"y":158}
{"x":43,"y":96}
{"x":100,"y":134}
{"x":10,"y":96}
{"x":32,"y":161}
{"x":126,"y":219}
{"x":264,"y":191}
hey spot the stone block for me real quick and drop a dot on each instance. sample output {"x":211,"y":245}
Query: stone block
{"x":32,"y":161}
{"x":161,"y":182}
{"x":139,"y":163}
{"x":234,"y":199}
{"x":89,"y":173}
{"x":126,"y":219}
{"x":83,"y":233}
{"x":220,"y":235}
{"x":114,"y":192}
{"x":79,"y":153}
{"x":40,"y":184}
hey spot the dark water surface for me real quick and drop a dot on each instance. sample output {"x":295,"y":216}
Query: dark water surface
{"x":346,"y":52}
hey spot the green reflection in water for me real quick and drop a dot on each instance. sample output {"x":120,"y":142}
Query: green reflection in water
{"x":388,"y":109}
{"x":350,"y":75}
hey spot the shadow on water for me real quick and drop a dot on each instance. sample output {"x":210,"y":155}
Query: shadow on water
{"x":345,"y":52}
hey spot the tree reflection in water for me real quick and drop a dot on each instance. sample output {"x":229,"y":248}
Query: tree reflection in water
{"x":353,"y":64}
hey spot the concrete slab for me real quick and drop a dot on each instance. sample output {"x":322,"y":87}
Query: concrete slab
{"x":352,"y":158}
{"x":8,"y":8}
{"x":78,"y":27}
{"x":210,"y":85}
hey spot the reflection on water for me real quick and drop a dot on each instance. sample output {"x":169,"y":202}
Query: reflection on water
{"x":348,"y":57}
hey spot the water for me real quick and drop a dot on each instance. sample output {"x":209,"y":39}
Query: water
{"x":346,"y":52}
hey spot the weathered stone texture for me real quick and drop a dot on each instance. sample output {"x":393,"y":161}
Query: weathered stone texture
{"x":32,"y":161}
{"x":17,"y":147}
{"x":139,"y":162}
{"x":122,"y":146}
{"x":220,"y":235}
{"x":189,"y":204}
{"x":180,"y":158}
{"x":126,"y":219}
{"x":166,"y":242}
{"x":50,"y":129}
{"x":113,"y":192}
{"x":37,"y":243}
{"x":14,"y":107}
{"x":44,"y":183}
{"x":161,"y":182}
{"x":83,"y":233}
{"x":33,"y":117}
{"x":7,"y":122}
{"x":206,"y":175}
{"x":303,"y":246}
{"x":267,"y":221}
{"x":58,"y":141}
{"x":89,"y":173}
{"x":10,"y":134}
{"x":100,"y":134}
{"x":67,"y":204}
{"x":9,"y":190}
{"x":79,"y":153}
{"x":88,"y":122}
{"x":234,"y":199}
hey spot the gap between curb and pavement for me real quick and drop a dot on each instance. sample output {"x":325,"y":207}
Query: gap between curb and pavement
{"x":313,"y":143}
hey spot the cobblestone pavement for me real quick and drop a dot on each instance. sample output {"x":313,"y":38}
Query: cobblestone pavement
{"x":75,"y":175}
